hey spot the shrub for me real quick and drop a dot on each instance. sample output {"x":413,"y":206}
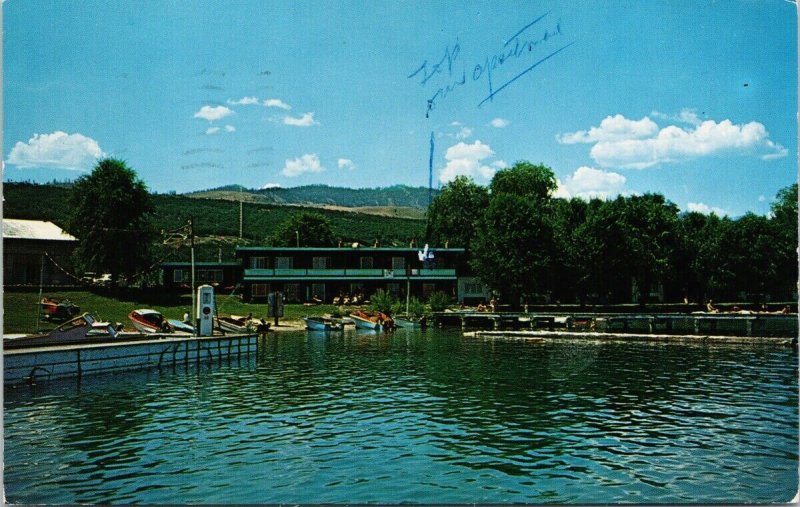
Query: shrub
{"x":415,"y":307}
{"x":439,"y":301}
{"x":381,"y":301}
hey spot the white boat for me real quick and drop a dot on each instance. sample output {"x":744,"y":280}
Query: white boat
{"x":180,"y":326}
{"x":82,"y":329}
{"x":238,"y":324}
{"x":150,"y":321}
{"x":322,"y":324}
{"x":410,"y":321}
{"x":375,"y":321}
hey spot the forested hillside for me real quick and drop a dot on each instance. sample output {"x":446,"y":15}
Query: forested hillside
{"x":216,"y":221}
{"x":394,"y":196}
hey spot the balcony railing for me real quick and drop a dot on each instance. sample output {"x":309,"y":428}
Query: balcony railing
{"x":348,"y":273}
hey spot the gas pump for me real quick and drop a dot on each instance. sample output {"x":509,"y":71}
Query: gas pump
{"x":275,"y":306}
{"x":205,"y":310}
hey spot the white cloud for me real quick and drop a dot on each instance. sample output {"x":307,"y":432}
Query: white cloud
{"x":612,"y":128}
{"x":463,"y":131}
{"x":59,"y":149}
{"x":270,"y":185}
{"x":687,"y":115}
{"x":591,"y":183}
{"x":307,"y":120}
{"x":212,"y":130}
{"x":308,"y":163}
{"x":499,"y":123}
{"x":244,"y":101}
{"x":346,"y":163}
{"x":705,"y":209}
{"x":230,"y":128}
{"x":277,"y":103}
{"x":762,"y":198}
{"x":619,"y":142}
{"x":212,"y":113}
{"x":467,"y":160}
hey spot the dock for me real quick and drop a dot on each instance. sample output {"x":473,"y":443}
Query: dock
{"x":700,"y":324}
{"x":30,"y":365}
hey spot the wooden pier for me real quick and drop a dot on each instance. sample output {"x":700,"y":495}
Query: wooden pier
{"x":125,"y":353}
{"x":712,"y":324}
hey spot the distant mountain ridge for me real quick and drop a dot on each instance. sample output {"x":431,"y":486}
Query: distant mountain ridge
{"x":400,"y":196}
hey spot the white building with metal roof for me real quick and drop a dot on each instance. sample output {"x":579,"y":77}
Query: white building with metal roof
{"x":35,"y":252}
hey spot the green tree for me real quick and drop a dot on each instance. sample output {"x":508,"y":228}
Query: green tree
{"x":111,"y":217}
{"x":454,"y":214}
{"x":573,"y":275}
{"x":629,"y":239}
{"x":306,"y":229}
{"x":514,"y":248}
{"x":784,"y":228}
{"x":525,"y":180}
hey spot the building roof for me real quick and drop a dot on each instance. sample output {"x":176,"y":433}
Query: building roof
{"x":342,"y":249}
{"x":34,"y":229}
{"x":204,"y":264}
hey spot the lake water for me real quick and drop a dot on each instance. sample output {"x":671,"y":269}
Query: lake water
{"x":427,"y":417}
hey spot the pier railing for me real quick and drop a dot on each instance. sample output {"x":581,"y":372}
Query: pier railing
{"x":754,"y":324}
{"x":263,"y":274}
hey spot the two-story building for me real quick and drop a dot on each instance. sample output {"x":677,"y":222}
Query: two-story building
{"x":178,"y":275}
{"x":307,"y":274}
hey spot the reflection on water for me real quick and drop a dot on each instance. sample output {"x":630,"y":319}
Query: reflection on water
{"x":417,"y":417}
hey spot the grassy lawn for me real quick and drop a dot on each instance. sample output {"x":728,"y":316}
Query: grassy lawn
{"x":21,"y":308}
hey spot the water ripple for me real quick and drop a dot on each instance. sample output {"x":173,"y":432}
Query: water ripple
{"x":431,"y":418}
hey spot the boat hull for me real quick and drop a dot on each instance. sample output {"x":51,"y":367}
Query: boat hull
{"x":322,"y":324}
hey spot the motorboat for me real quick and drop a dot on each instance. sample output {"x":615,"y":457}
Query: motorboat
{"x":323,"y":324}
{"x":376,"y":321}
{"x":410,"y":321}
{"x":58,"y":309}
{"x":82,"y":329}
{"x":150,"y":321}
{"x":238,"y":324}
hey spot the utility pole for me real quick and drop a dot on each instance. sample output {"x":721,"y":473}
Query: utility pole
{"x":430,"y":173}
{"x":194,"y":303}
{"x":241,"y":218}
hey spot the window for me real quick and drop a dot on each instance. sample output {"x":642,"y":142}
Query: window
{"x":292,"y":292}
{"x":321,"y":262}
{"x":398,"y":263}
{"x":181,"y":275}
{"x":318,"y":291}
{"x":260,"y":289}
{"x":366,"y":262}
{"x":284,"y":262}
{"x":427,"y":290}
{"x":356,"y":288}
{"x":393,"y":289}
{"x":473,"y":288}
{"x":258,"y":262}
{"x":209,"y":275}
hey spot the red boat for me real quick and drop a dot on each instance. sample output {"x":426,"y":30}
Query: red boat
{"x":58,"y":309}
{"x":150,"y":321}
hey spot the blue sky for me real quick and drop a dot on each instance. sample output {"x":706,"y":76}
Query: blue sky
{"x":694,"y":100}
